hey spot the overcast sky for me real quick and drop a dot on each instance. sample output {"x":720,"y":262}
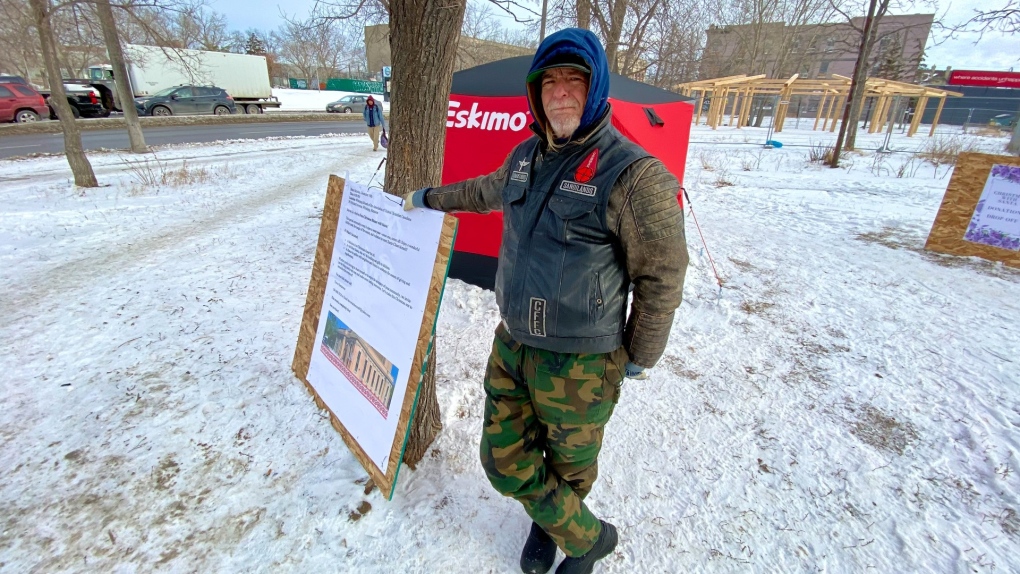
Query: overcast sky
{"x":992,"y":52}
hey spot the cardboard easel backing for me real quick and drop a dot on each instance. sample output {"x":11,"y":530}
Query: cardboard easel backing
{"x":962,"y":195}
{"x":310,"y":324}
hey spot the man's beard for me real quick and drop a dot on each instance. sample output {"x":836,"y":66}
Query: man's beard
{"x":564,"y":127}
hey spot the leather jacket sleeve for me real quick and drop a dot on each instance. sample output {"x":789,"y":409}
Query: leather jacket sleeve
{"x":649,"y":223}
{"x":481,"y":194}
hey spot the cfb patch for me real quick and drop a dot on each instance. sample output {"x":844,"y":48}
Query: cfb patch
{"x":536,"y":317}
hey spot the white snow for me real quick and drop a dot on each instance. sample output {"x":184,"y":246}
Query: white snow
{"x":847,"y":402}
{"x":314,"y":100}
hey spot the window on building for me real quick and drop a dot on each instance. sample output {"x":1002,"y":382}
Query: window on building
{"x":823,"y":68}
{"x":830,"y":44}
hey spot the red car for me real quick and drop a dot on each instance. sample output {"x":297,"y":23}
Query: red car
{"x":20,"y":103}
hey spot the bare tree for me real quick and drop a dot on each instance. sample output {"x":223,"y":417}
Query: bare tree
{"x":19,"y":45}
{"x":320,"y":46}
{"x":1005,"y":19}
{"x":42,"y":11}
{"x":855,"y":100}
{"x":675,"y":40}
{"x":123,"y":85}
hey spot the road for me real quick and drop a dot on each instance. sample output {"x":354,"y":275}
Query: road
{"x":13,"y":146}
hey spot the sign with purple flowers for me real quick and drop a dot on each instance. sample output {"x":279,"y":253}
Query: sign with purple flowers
{"x":996,"y":219}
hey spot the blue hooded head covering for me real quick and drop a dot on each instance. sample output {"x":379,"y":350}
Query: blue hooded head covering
{"x":572,"y":47}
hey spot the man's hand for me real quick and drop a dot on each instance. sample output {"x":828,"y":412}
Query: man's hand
{"x":632,"y":371}
{"x":415,"y":199}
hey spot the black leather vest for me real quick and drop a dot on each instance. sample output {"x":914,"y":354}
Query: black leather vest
{"x":561,"y":284}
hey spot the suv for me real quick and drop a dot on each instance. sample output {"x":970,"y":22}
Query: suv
{"x":20,"y":103}
{"x":186,"y":100}
{"x":347,"y":104}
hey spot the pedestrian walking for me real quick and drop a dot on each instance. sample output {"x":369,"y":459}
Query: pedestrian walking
{"x":374,"y":121}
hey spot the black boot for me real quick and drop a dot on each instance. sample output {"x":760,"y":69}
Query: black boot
{"x":585,"y":563}
{"x":539,"y":552}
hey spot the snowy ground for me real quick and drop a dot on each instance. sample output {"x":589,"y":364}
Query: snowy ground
{"x":846,"y":403}
{"x":314,"y":100}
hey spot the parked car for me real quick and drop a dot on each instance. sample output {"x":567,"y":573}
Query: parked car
{"x":186,"y":100}
{"x":347,"y":104}
{"x":84,"y":100}
{"x":21,"y":103}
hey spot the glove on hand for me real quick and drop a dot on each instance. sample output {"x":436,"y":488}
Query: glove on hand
{"x":415,"y":199}
{"x":632,"y":371}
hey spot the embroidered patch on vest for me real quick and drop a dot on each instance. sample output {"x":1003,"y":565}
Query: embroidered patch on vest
{"x":587,"y":169}
{"x":520,"y":174}
{"x":536,"y":317}
{"x":574,"y":187}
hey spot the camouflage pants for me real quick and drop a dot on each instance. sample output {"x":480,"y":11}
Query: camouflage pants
{"x":544,"y":417}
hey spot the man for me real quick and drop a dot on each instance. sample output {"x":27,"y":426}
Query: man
{"x":374,"y":121}
{"x":586,"y":213}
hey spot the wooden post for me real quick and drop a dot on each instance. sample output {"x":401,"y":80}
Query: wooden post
{"x":938,"y":113}
{"x":734,"y":106}
{"x":915,"y":122}
{"x":818,"y":116}
{"x":835,"y":112}
{"x":745,"y":112}
{"x":697,"y":108}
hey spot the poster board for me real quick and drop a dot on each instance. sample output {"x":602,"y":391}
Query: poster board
{"x":369,"y":319}
{"x":979,"y":210}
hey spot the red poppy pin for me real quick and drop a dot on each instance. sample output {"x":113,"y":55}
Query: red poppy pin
{"x":588,"y":167}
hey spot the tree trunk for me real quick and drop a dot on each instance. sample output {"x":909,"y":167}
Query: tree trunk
{"x":545,"y":16}
{"x":870,"y":35}
{"x":80,"y":166}
{"x":418,"y":126}
{"x":583,"y":14}
{"x":857,"y":85}
{"x":614,"y":33}
{"x":120,"y":74}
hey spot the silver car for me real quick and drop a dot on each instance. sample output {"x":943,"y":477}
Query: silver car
{"x":347,"y":105}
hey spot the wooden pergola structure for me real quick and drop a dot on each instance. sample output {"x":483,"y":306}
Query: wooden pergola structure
{"x":735,"y":94}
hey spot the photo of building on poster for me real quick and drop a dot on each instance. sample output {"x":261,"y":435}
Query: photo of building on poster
{"x":372,"y":374}
{"x":996,"y":219}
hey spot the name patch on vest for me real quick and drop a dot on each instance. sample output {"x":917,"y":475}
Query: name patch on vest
{"x":536,"y":317}
{"x":580,"y":188}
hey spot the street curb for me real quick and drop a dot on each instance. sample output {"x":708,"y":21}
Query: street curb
{"x":53,"y":126}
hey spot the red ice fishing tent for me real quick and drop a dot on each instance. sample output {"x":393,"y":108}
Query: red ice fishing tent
{"x":488,"y":115}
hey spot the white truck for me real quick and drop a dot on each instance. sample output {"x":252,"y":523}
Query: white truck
{"x":151,"y":68}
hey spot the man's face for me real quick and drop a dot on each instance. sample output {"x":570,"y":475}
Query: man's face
{"x":564,"y":91}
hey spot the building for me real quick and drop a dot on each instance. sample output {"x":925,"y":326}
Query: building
{"x":816,"y":50}
{"x":374,"y":371}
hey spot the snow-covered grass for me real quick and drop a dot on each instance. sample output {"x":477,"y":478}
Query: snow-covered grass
{"x":314,"y":100}
{"x":846,"y":402}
